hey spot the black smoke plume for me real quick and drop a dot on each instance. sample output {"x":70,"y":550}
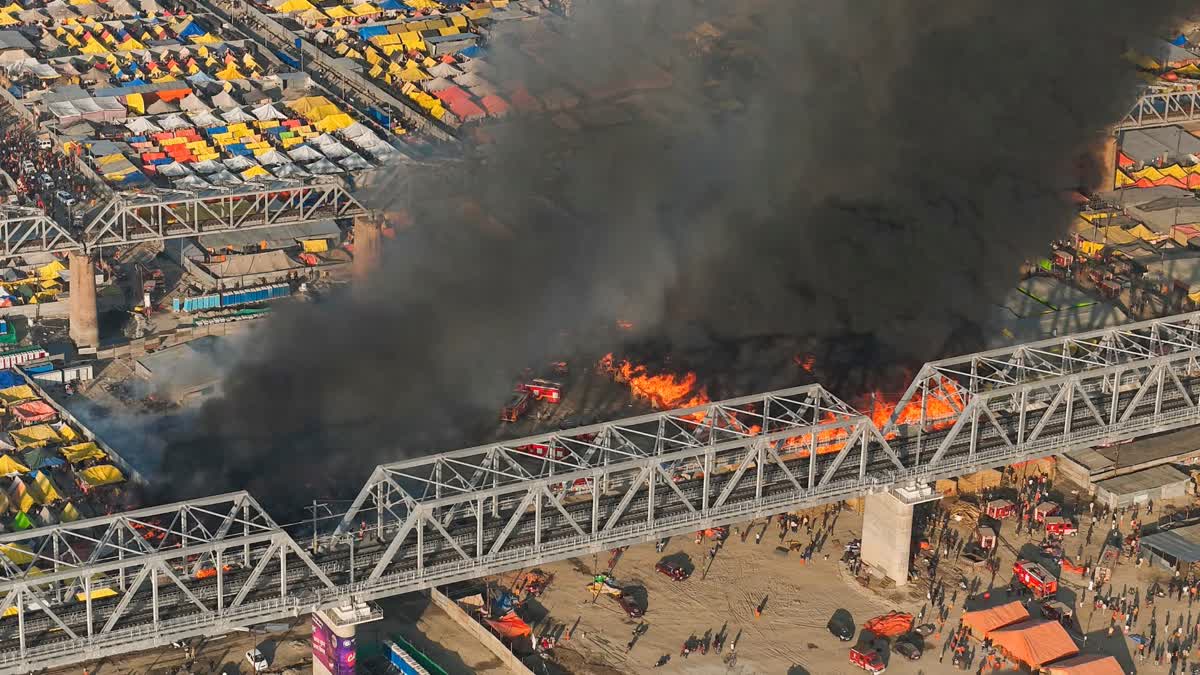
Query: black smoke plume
{"x":815,"y":168}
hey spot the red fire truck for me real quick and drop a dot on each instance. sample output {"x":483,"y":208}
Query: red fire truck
{"x":542,"y":390}
{"x":1058,"y":525}
{"x":517,"y":406}
{"x":867,"y":659}
{"x":1000,"y":509}
{"x":543,"y":450}
{"x":1036,"y":578}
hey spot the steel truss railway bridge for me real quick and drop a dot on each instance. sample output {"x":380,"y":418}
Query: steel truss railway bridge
{"x":131,"y":581}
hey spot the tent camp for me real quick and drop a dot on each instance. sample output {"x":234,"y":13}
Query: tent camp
{"x":982,"y":622}
{"x":42,"y":489}
{"x":102,"y":474}
{"x":31,"y":412}
{"x":1035,"y":643}
{"x":1086,"y":664}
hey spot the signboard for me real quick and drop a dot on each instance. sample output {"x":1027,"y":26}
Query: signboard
{"x":336,"y":654}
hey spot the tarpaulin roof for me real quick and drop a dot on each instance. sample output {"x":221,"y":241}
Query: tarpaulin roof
{"x":82,"y":451}
{"x":35,"y":436}
{"x":8,"y":378}
{"x":982,"y":622}
{"x":69,"y":513}
{"x":21,"y":392}
{"x":42,"y":458}
{"x":510,"y":626}
{"x":9,"y":466}
{"x":103,"y":474}
{"x":18,"y":553}
{"x":18,"y":494}
{"x":1086,"y":664}
{"x":1035,"y":643}
{"x":890,"y":624}
{"x":35,"y":411}
{"x":41,"y":488}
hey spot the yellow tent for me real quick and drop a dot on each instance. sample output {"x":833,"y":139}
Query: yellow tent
{"x":315,"y":246}
{"x":81,"y":452}
{"x":1144,"y":233}
{"x":42,"y":489}
{"x":255,"y":172}
{"x":1090,"y":248}
{"x":69,"y":513}
{"x":313,"y":15}
{"x":295,"y":6}
{"x":51,"y":270}
{"x":9,"y":466}
{"x":364,"y":8}
{"x":17,"y":394}
{"x":103,"y":474}
{"x":8,"y":20}
{"x":338,"y":13}
{"x":231,"y":73}
{"x":1122,"y":180}
{"x":17,"y":553}
{"x":35,"y":436}
{"x":334,"y":123}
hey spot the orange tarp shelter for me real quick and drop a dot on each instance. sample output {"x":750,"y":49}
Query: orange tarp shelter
{"x":1035,"y":643}
{"x":510,"y":626}
{"x":1086,"y":664}
{"x":982,"y":622}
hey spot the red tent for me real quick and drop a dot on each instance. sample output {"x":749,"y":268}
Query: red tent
{"x":510,"y":626}
{"x":34,"y":411}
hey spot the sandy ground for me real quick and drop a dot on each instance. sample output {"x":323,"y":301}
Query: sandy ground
{"x":791,"y":637}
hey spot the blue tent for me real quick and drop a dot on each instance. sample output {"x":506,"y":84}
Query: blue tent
{"x":9,"y":379}
{"x":368,"y":32}
{"x":1180,"y":41}
{"x":471,"y":52}
{"x":394,"y":5}
{"x":42,"y":458}
{"x":191,"y":29}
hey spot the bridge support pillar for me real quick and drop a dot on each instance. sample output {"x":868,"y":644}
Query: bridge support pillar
{"x":333,"y":637}
{"x":368,"y":243}
{"x":1108,"y":162}
{"x":887,"y":530}
{"x":84,"y":323}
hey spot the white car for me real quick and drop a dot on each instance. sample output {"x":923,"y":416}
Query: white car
{"x":257,"y":660}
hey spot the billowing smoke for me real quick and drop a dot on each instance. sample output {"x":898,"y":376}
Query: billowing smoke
{"x":720,"y":173}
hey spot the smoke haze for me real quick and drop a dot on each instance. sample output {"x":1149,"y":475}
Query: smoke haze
{"x":814,"y":168}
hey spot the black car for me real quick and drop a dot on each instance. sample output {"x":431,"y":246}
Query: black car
{"x":907,"y":649}
{"x":630,"y":605}
{"x":841,"y":625}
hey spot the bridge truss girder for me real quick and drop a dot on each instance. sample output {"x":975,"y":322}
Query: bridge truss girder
{"x":498,"y":507}
{"x":32,"y":231}
{"x":126,"y":221}
{"x":1157,"y":109}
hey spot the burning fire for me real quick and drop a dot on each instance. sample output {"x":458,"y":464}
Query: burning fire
{"x":941,"y":407}
{"x":624,"y":325}
{"x":664,"y":391}
{"x":806,"y":361}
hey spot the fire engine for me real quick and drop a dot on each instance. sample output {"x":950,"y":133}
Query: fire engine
{"x":543,"y":450}
{"x":1058,"y":525}
{"x":1000,"y":509}
{"x":542,"y":390}
{"x":1044,"y":510}
{"x":1036,"y":578}
{"x":517,"y":406}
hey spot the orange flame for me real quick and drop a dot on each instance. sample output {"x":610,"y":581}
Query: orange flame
{"x":806,"y":361}
{"x":941,"y":408}
{"x":664,"y":391}
{"x":624,"y":325}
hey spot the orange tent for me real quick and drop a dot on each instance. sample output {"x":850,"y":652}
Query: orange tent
{"x":983,"y":621}
{"x":1035,"y":643}
{"x":890,"y":624}
{"x":510,"y":626}
{"x":1087,"y":664}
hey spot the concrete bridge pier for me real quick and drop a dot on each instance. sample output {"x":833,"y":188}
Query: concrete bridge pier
{"x":887,"y":529}
{"x":333,"y":637}
{"x":368,"y":243}
{"x":84,"y":322}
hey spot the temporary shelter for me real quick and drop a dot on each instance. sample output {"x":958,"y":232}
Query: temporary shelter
{"x":1086,"y":664}
{"x":982,"y":622}
{"x":10,"y":466}
{"x":35,"y":436}
{"x":81,"y":452}
{"x":102,"y":474}
{"x":31,"y":412}
{"x":17,"y":394}
{"x":1035,"y":643}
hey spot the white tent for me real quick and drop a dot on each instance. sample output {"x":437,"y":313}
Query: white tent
{"x":323,"y":167}
{"x":191,"y":183}
{"x":436,"y":84}
{"x":173,"y":170}
{"x":304,"y":153}
{"x":207,"y":166}
{"x":273,"y":157}
{"x":443,"y":70}
{"x":289,"y":170}
{"x":223,"y":177}
{"x":192,"y":103}
{"x":224,"y":101}
{"x":268,"y":112}
{"x":354,"y":162}
{"x":172,"y":122}
{"x":141,"y":125}
{"x":239,"y":163}
{"x":204,"y":119}
{"x":236,"y":115}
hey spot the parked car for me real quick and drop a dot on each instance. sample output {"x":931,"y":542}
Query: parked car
{"x":630,"y":605}
{"x":841,"y":625}
{"x":673,"y":570}
{"x":908,"y":649}
{"x":257,"y":660}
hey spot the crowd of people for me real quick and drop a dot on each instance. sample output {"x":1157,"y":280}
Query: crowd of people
{"x":39,"y":171}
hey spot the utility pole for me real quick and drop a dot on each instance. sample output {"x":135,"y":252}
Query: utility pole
{"x":315,"y":508}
